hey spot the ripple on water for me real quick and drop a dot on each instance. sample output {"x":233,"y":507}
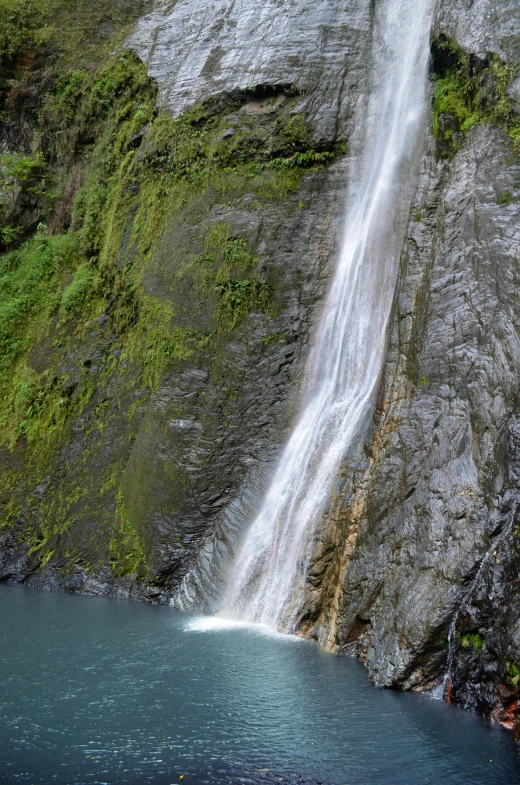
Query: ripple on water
{"x":99,"y":690}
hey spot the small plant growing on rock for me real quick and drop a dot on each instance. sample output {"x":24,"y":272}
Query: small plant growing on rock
{"x":474,"y":640}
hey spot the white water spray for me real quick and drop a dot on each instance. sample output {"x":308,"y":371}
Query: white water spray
{"x":267,"y":583}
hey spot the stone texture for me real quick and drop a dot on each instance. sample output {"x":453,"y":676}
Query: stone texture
{"x":197,"y":49}
{"x":437,"y":481}
{"x":413,"y":521}
{"x":481,"y":26}
{"x":202,"y":456}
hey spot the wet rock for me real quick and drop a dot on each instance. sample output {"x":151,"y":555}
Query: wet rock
{"x":316,"y":47}
{"x":481,"y":26}
{"x":437,"y":479}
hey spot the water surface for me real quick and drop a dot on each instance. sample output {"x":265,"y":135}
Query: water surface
{"x":97,"y":690}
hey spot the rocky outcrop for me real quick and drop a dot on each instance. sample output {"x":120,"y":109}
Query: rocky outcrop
{"x":198,"y":49}
{"x":438,"y":491}
{"x":169,"y":436}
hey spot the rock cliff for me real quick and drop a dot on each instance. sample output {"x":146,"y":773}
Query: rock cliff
{"x":171,"y":209}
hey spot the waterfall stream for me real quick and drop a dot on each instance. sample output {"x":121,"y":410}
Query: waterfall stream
{"x":267,"y":580}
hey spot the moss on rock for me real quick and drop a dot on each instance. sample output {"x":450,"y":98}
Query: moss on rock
{"x":102,"y":301}
{"x":469,"y":91}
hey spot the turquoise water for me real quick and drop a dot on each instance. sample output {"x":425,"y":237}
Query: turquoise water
{"x":97,"y":690}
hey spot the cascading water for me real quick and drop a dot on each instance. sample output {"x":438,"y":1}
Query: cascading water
{"x":267,"y":583}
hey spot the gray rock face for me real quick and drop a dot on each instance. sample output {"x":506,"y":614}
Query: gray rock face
{"x":431,"y":538}
{"x":436,"y":491}
{"x":437,"y":484}
{"x":201,"y":459}
{"x":320,"y":51}
{"x":197,"y":49}
{"x":481,"y":26}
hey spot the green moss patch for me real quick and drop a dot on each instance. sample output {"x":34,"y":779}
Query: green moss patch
{"x":31,"y":282}
{"x":79,"y":33}
{"x":474,"y":640}
{"x":127,"y":556}
{"x":469,"y":91}
{"x":88,"y":327}
{"x":513,"y":672}
{"x":21,"y":23}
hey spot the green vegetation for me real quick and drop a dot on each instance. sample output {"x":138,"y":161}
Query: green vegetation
{"x":80,"y":33}
{"x":21,"y":22}
{"x":127,"y":556}
{"x":129,"y":276}
{"x":506,"y":198}
{"x":87,"y":32}
{"x":156,"y":341}
{"x":237,"y":298}
{"x":225,"y":258}
{"x":31,"y":279}
{"x":271,"y":339}
{"x":475,"y":640}
{"x":513,"y":673}
{"x":21,"y":171}
{"x":23,"y":184}
{"x":74,"y":296}
{"x":469,"y":91}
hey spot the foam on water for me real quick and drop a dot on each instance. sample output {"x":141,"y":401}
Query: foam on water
{"x":221,"y":623}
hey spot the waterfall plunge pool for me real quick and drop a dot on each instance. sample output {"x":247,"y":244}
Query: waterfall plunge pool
{"x":98,"y":690}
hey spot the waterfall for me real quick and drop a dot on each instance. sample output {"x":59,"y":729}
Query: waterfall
{"x":267,"y":580}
